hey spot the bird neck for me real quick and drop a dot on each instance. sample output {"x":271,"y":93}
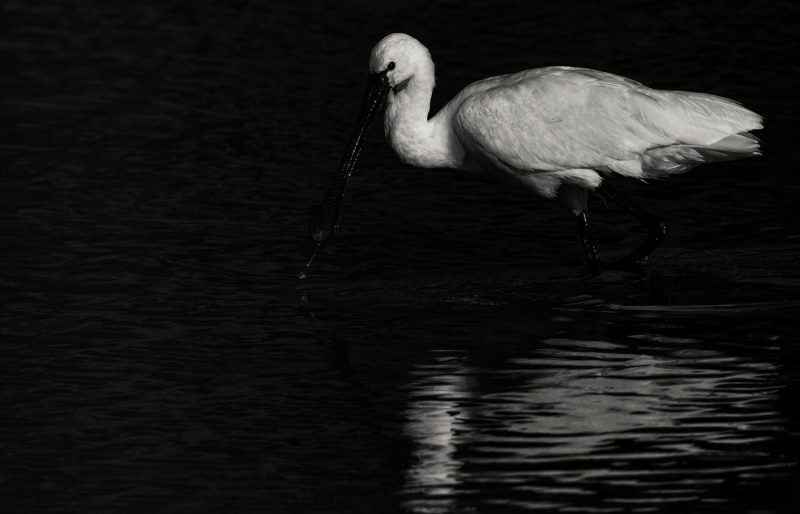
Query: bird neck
{"x":417,"y":140}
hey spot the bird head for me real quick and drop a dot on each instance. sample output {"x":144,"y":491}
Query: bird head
{"x":400,"y":58}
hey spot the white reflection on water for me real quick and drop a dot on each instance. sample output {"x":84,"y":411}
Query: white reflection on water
{"x":434,"y":419}
{"x":569,"y":418}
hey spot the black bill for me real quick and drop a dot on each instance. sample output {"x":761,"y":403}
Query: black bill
{"x":326,"y":217}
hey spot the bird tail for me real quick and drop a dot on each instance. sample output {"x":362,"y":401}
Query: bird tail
{"x":736,"y":146}
{"x":708,"y":118}
{"x":669,"y":160}
{"x":711,"y":129}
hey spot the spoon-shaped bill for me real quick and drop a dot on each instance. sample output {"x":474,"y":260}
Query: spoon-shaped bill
{"x":326,"y":217}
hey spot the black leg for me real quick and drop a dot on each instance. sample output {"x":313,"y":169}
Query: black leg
{"x":592,"y":261}
{"x":656,"y":228}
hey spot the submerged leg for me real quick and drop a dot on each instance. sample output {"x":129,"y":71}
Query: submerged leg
{"x":592,"y":261}
{"x":656,"y":228}
{"x":576,"y":199}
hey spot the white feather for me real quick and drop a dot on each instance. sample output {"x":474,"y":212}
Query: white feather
{"x":559,"y":125}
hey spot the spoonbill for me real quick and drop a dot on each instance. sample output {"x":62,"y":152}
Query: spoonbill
{"x":558,"y":131}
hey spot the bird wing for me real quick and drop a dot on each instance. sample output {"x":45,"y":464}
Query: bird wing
{"x":560,"y":118}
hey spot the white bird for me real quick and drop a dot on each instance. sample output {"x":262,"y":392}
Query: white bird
{"x":559,"y":131}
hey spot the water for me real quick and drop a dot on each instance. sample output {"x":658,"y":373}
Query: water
{"x":446,"y":353}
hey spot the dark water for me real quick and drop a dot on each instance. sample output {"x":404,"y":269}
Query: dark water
{"x":158,"y":162}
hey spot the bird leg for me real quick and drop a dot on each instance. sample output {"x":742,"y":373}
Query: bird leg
{"x":656,"y":228}
{"x":589,"y":249}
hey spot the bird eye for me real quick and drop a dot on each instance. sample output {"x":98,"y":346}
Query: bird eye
{"x":391,"y":66}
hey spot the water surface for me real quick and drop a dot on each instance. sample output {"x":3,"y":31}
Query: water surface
{"x":447,"y":353}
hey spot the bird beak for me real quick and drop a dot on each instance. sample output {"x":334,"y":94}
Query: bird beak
{"x":326,"y":218}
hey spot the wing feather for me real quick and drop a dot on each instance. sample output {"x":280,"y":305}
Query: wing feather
{"x":552,"y":119}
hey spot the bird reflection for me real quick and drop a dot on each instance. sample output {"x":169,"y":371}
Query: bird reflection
{"x":576,"y":417}
{"x":434,"y":418}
